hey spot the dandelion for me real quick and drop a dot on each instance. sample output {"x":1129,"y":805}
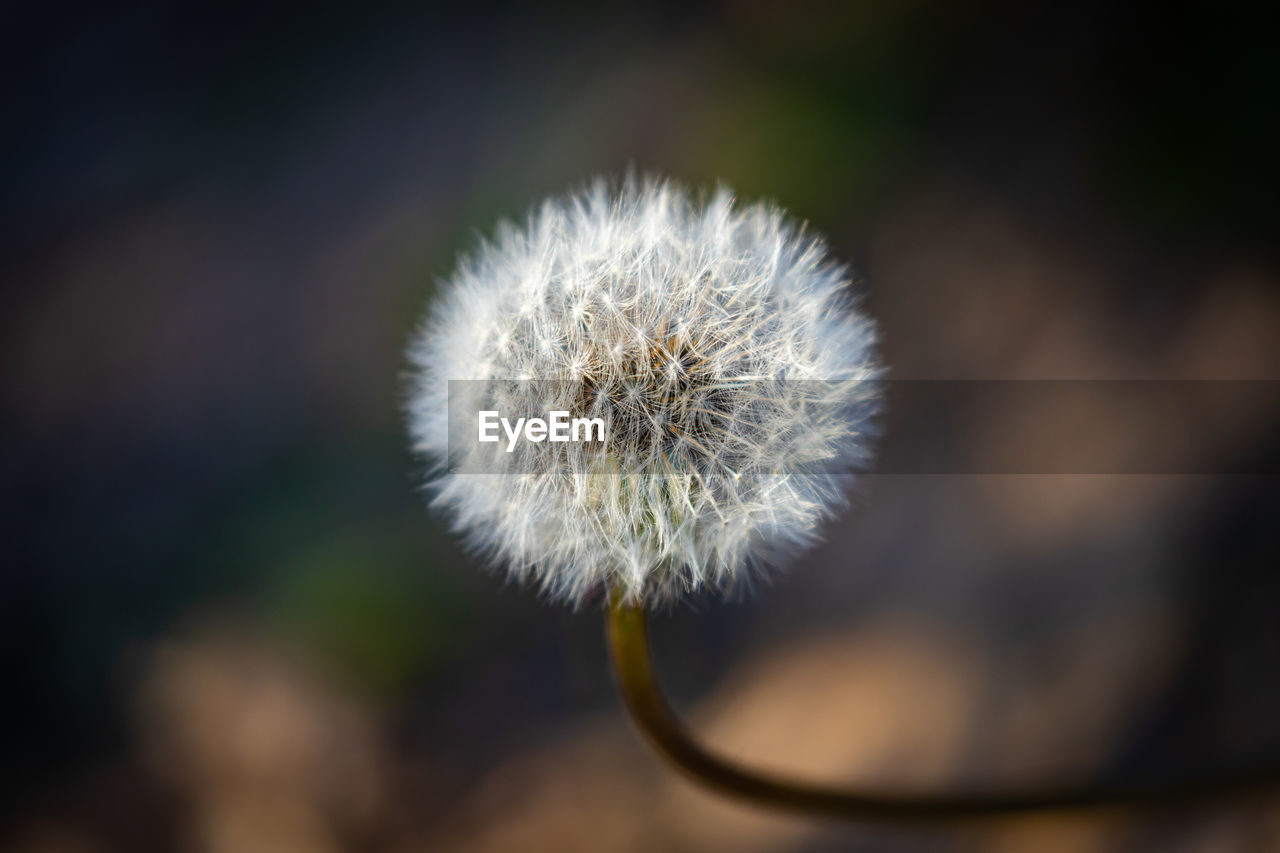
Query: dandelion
{"x":719,"y":349}
{"x":719,"y":345}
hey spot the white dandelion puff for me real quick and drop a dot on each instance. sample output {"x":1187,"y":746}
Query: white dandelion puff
{"x":719,"y":345}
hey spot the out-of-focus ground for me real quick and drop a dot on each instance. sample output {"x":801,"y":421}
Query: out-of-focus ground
{"x":230,"y":625}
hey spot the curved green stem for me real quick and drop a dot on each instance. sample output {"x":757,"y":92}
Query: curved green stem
{"x":629,"y":646}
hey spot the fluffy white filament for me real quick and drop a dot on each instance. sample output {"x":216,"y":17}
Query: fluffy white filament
{"x":720,"y":345}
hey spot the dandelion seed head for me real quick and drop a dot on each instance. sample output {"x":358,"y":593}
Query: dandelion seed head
{"x":717,"y":341}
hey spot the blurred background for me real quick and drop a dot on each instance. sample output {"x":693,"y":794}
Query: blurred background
{"x":229,"y":623}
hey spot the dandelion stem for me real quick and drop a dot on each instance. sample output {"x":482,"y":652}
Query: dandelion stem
{"x":629,"y":646}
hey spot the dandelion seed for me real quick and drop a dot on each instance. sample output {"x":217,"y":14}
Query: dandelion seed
{"x":695,"y":332}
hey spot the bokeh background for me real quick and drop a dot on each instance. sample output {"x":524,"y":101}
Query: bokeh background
{"x":229,"y":624}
